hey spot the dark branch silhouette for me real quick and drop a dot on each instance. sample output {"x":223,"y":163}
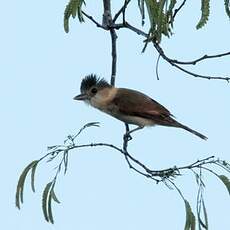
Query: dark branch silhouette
{"x":112,"y":26}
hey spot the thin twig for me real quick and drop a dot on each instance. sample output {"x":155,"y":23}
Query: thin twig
{"x":94,"y":21}
{"x":171,"y":62}
{"x":109,"y":25}
{"x":194,"y":62}
{"x":178,"y":9}
{"x":121,"y":11}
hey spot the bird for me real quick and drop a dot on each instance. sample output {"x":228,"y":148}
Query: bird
{"x":127,"y":105}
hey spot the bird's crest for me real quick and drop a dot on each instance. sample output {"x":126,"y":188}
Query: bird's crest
{"x":93,"y":80}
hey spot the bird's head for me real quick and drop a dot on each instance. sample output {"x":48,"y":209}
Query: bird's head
{"x":92,"y":87}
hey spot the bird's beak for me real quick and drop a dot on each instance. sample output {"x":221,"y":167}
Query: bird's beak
{"x":81,"y":97}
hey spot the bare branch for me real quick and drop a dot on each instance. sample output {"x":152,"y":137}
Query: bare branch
{"x":121,"y":11}
{"x":178,"y":9}
{"x":172,"y":62}
{"x":194,"y":62}
{"x":108,"y":24}
{"x":94,"y":21}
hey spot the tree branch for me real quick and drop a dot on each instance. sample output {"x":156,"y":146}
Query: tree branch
{"x":166,"y":175}
{"x":94,"y":21}
{"x":178,"y":9}
{"x":194,"y":62}
{"x":121,"y":11}
{"x":107,"y":17}
{"x":114,"y":56}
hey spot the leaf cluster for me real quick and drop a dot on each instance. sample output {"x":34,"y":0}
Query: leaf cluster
{"x":160,"y":16}
{"x":73,"y":8}
{"x":48,"y":193}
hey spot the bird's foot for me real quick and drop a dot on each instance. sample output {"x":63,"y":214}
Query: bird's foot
{"x":127,"y":136}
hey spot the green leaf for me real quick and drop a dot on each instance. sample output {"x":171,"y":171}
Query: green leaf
{"x":21,"y":182}
{"x":172,"y":5}
{"x":142,"y":10}
{"x":50,"y":214}
{"x":54,"y":197}
{"x":227,"y":7}
{"x":72,"y":8}
{"x":47,"y":197}
{"x":190,"y":218}
{"x":205,"y":214}
{"x":205,"y":11}
{"x":33,"y":176}
{"x":161,"y":22}
{"x":45,"y":201}
{"x":152,"y":8}
{"x":226,"y":182}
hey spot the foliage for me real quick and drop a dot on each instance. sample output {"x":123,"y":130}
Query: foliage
{"x":48,"y":194}
{"x":166,"y":176}
{"x":73,"y":8}
{"x":205,"y":5}
{"x":227,"y":7}
{"x":161,"y":15}
{"x":190,"y":218}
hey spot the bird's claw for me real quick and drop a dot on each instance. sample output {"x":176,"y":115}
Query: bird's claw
{"x":128,"y":137}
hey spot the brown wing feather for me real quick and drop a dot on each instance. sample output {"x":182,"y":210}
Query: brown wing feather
{"x":139,"y":104}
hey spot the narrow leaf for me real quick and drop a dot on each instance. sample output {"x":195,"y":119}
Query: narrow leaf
{"x":66,"y":159}
{"x":142,"y":10}
{"x":95,"y":124}
{"x":172,"y":5}
{"x":205,"y":214}
{"x":21,"y":182}
{"x":226,"y":182}
{"x":33,"y":176}
{"x":45,"y":200}
{"x":227,"y":7}
{"x":50,"y":214}
{"x":205,"y":11}
{"x":54,"y":197}
{"x":72,"y":8}
{"x":190,"y":218}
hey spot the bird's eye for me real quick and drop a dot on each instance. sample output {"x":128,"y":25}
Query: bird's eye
{"x":93,"y":90}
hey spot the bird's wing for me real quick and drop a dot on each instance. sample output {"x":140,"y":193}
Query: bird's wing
{"x":131,"y":102}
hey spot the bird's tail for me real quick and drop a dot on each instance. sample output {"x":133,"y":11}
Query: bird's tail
{"x":191,"y":131}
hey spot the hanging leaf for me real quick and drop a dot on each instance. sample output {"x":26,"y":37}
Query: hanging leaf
{"x":205,"y":11}
{"x":227,"y":7}
{"x":54,"y":197}
{"x":45,"y":201}
{"x":170,"y":12}
{"x":190,"y":218}
{"x":33,"y":176}
{"x":142,"y":10}
{"x":66,"y":159}
{"x":47,"y":197}
{"x":161,"y":18}
{"x":21,"y":182}
{"x":226,"y":182}
{"x":50,"y":214}
{"x":205,"y":214}
{"x":172,"y":5}
{"x":73,"y":8}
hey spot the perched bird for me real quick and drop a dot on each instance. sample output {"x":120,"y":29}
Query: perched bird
{"x":127,"y":105}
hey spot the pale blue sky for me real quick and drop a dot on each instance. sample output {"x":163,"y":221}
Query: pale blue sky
{"x":41,"y":70}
